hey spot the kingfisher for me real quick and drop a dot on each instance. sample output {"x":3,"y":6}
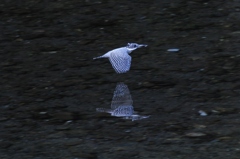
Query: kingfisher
{"x":120,"y":58}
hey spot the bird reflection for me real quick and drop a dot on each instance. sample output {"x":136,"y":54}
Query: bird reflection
{"x":121,"y":105}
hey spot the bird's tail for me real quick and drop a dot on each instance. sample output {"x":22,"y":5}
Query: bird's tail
{"x":97,"y":57}
{"x":103,"y":110}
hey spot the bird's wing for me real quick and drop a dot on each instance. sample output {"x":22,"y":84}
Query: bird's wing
{"x":121,"y":96}
{"x":121,"y":62}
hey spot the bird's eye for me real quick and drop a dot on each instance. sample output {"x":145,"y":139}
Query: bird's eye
{"x":134,"y":45}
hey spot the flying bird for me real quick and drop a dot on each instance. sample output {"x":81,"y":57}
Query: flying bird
{"x":122,"y":104}
{"x":120,"y":58}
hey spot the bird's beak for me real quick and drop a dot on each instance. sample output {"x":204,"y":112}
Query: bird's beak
{"x":141,"y":45}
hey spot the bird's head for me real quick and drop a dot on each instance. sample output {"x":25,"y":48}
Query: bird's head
{"x":134,"y":46}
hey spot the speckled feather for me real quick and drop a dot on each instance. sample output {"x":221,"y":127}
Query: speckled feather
{"x":120,"y":60}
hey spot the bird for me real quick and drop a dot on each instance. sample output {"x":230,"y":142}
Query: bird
{"x":120,"y":58}
{"x":122,"y":104}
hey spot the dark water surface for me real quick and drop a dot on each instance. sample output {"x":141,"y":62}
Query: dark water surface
{"x":51,"y":87}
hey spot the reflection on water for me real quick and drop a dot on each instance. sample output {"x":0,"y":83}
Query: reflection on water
{"x":122,"y":104}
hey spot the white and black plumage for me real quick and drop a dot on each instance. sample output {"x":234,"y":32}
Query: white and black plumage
{"x":122,"y":104}
{"x":120,"y":58}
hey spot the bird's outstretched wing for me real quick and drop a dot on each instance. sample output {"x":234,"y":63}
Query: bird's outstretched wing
{"x":121,"y":62}
{"x":121,"y":96}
